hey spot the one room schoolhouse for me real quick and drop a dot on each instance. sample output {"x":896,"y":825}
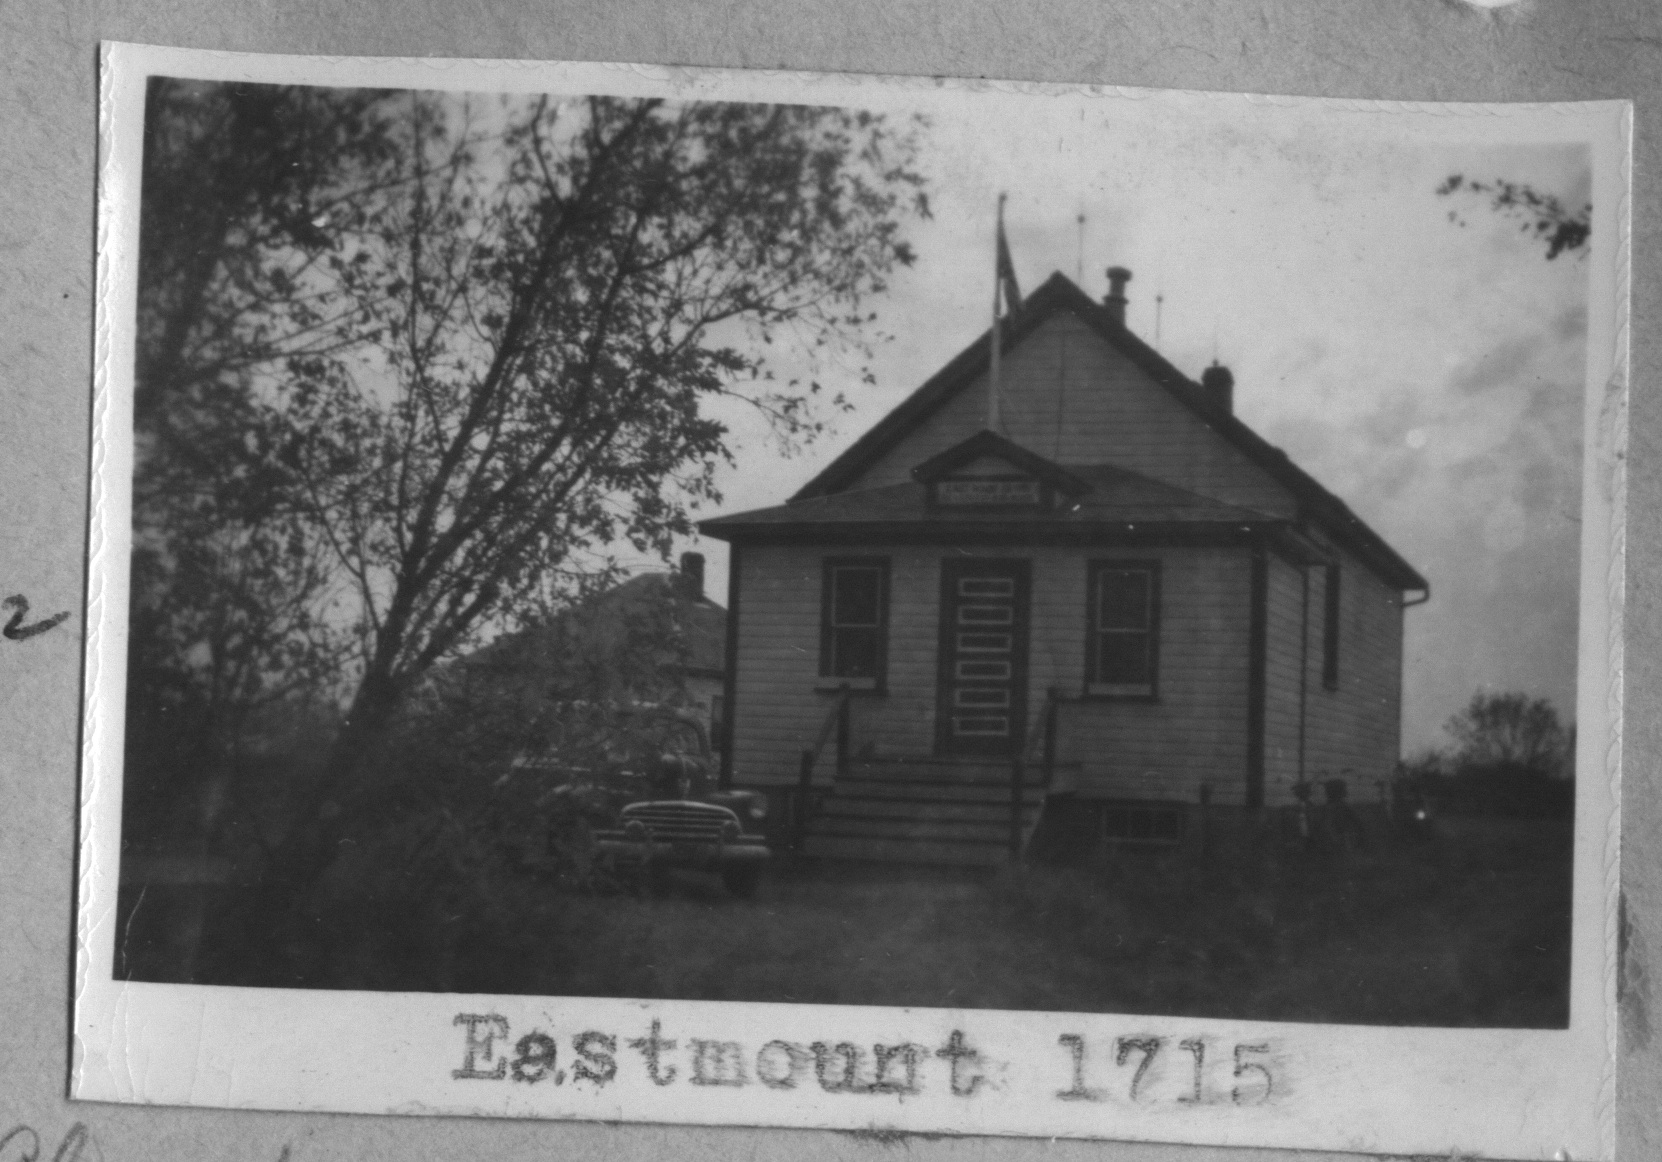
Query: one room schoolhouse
{"x":1091,"y":587}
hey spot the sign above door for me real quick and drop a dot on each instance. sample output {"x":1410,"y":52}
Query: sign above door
{"x":983,"y":490}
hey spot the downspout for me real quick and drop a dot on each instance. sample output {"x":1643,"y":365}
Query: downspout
{"x":730,"y":668}
{"x":1303,"y":667}
{"x":1257,"y":684}
{"x":1424,"y":596}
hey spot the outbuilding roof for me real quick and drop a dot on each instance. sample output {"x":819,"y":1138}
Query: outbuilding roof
{"x":697,"y":625}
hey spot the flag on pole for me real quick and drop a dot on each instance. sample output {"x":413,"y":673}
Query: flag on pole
{"x":1007,"y":285}
{"x":1006,"y":298}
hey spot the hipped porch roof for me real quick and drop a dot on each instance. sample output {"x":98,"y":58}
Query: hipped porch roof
{"x":1116,"y":499}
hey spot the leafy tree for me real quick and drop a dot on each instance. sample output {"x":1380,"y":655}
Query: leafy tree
{"x":238,"y":181}
{"x":549,"y":314}
{"x":226,"y":574}
{"x":470,"y":717}
{"x":1543,"y":216}
{"x":481,"y":346}
{"x":1510,"y":733}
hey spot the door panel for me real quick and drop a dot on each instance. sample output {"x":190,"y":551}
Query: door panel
{"x":982,"y":699}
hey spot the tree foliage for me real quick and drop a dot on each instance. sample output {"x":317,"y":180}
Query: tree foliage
{"x":1542,"y":216}
{"x":407,"y":359}
{"x":547,"y":302}
{"x":1510,"y":733}
{"x":226,"y":573}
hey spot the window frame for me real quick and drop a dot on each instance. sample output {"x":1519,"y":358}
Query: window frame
{"x":718,"y":723}
{"x":1332,"y":611}
{"x":1154,"y":812}
{"x":828,"y":678}
{"x":1096,"y":689}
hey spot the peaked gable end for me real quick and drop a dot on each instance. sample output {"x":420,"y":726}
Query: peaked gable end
{"x":1080,"y":388}
{"x":987,"y":450}
{"x":1069,"y":395}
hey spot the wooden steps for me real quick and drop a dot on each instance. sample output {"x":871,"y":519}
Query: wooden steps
{"x":921,"y":810}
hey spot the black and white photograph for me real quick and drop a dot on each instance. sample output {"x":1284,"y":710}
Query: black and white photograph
{"x":826,"y":546}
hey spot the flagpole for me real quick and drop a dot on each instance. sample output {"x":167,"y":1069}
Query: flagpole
{"x":998,"y":289}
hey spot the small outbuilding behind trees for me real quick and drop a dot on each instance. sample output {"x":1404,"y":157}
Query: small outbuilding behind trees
{"x":655,"y":638}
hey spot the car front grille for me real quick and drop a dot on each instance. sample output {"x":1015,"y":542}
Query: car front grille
{"x":680,"y":822}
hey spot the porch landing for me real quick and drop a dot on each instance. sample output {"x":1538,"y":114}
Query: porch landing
{"x":923,"y":810}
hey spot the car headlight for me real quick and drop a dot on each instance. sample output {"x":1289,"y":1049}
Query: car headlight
{"x":758,"y":809}
{"x":730,"y":830}
{"x":635,"y":831}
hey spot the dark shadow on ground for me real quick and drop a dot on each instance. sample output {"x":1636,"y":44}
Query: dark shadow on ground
{"x":1470,"y":928}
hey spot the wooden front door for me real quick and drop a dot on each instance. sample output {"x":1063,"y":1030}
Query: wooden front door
{"x":982,"y":701}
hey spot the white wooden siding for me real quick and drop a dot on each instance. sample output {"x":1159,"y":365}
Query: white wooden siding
{"x":1354,"y":731}
{"x":1282,"y":647}
{"x":1194,"y":734}
{"x":1351,"y":732}
{"x":1069,"y":396}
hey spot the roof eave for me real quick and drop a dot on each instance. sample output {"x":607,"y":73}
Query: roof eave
{"x":939,"y":532}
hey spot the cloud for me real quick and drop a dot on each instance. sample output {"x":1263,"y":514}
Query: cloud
{"x":1494,"y":520}
{"x":1571,"y":324}
{"x":1500,"y":367}
{"x":1469,"y":462}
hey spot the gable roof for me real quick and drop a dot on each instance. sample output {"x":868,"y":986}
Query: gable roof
{"x":1059,"y":293}
{"x":698,"y":625}
{"x":990,"y":443}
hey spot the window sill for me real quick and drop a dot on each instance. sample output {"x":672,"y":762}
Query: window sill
{"x":1120,"y":692}
{"x":852,"y":685}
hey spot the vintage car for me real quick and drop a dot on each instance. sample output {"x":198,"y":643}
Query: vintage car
{"x":644,"y":783}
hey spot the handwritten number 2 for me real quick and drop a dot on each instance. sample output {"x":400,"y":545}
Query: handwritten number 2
{"x":15,"y":629}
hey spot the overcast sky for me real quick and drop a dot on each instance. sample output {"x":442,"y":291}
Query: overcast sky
{"x":1427,"y":372}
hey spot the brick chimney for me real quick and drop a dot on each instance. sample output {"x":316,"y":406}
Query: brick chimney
{"x":1118,"y":276}
{"x":1219,"y":383}
{"x":692,"y":576}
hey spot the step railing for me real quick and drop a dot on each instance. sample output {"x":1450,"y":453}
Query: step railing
{"x":1041,"y":738}
{"x":836,"y":726}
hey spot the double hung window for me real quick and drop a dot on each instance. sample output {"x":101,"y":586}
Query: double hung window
{"x":1122,"y":650}
{"x":854,"y":621}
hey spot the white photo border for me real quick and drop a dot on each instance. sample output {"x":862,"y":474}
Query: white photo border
{"x":1508,"y":1093}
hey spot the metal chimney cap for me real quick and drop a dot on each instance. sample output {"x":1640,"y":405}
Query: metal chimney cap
{"x":1115,"y":301}
{"x":1219,"y":382}
{"x":1217,"y":376}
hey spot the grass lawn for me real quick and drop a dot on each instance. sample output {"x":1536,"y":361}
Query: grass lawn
{"x":1469,"y":928}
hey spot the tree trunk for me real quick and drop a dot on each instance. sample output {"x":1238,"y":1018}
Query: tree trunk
{"x":332,"y":804}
